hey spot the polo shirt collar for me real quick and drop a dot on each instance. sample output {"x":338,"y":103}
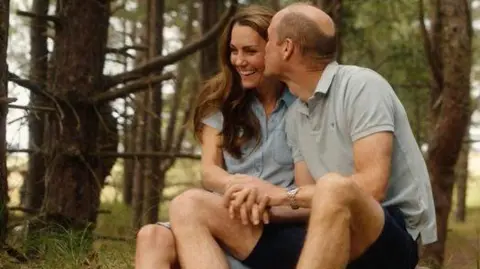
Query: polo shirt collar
{"x":323,"y":85}
{"x":326,"y":79}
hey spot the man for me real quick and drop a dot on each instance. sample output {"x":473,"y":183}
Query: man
{"x":372,"y":199}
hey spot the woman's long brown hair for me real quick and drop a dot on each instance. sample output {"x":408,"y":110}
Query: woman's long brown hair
{"x":224,"y":92}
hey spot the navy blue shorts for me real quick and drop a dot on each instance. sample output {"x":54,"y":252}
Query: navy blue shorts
{"x":280,"y":246}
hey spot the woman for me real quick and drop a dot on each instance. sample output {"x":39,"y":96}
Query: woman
{"x":239,"y":121}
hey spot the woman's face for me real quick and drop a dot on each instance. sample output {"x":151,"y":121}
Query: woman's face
{"x":247,"y":55}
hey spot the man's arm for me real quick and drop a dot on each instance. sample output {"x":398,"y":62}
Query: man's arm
{"x":372,"y":158}
{"x":286,"y":213}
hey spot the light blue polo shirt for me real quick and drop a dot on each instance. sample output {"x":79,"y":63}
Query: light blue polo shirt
{"x":350,"y":103}
{"x":272,"y":159}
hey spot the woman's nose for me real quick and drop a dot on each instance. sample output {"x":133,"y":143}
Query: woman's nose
{"x":240,"y":60}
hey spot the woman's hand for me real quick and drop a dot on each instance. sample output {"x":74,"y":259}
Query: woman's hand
{"x":250,"y":198}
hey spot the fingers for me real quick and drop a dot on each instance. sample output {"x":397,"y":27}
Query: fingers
{"x":230,"y":194}
{"x":240,"y":198}
{"x":255,"y":216}
{"x":263,"y":209}
{"x":244,"y":214}
{"x":235,"y":200}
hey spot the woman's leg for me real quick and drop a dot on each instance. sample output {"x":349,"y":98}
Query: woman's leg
{"x":155,"y":248}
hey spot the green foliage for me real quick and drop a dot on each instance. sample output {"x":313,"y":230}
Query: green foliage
{"x":384,"y":36}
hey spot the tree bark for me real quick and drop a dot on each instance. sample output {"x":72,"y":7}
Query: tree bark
{"x":138,"y":188}
{"x":450,"y":111}
{"x":209,"y":55}
{"x":74,"y":179}
{"x":129,"y":131}
{"x":141,"y":105}
{"x":153,"y":186}
{"x":35,"y":182}
{"x":4,"y":19}
{"x":461,"y":173}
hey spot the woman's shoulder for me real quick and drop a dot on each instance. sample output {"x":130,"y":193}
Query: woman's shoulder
{"x":214,"y":119}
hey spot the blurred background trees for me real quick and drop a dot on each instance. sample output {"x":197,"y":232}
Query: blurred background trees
{"x":97,"y":138}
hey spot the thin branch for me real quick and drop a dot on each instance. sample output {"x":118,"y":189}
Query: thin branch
{"x":135,"y":155}
{"x":123,"y":53}
{"x":428,"y":44}
{"x":127,"y":48}
{"x":159,"y":62}
{"x":22,"y":151}
{"x":7,"y":100}
{"x":131,"y":88}
{"x":36,"y":89}
{"x":38,"y":108}
{"x":54,"y":19}
{"x":17,"y":119}
{"x":30,"y":211}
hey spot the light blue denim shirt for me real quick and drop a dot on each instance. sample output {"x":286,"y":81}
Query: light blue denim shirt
{"x":272,"y":159}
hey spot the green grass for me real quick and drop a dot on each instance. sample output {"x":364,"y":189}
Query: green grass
{"x":71,"y":250}
{"x":463,"y":244}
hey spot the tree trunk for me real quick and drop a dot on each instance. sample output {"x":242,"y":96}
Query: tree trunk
{"x":209,"y":55}
{"x":129,"y":137}
{"x":450,"y":111}
{"x":74,"y":178}
{"x":141,"y":105}
{"x":4,"y":19}
{"x":138,"y":180}
{"x":153,"y":187}
{"x":128,"y":168}
{"x":35,"y":182}
{"x":461,"y":173}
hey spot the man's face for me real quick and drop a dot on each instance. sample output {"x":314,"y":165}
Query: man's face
{"x":273,"y":57}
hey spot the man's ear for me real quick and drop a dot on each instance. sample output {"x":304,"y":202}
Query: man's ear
{"x":288,"y":49}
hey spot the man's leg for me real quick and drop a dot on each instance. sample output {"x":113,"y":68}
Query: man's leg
{"x":155,"y":248}
{"x":199,"y":219}
{"x":344,"y":222}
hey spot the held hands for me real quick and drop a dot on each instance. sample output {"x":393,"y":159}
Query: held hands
{"x":249,"y":198}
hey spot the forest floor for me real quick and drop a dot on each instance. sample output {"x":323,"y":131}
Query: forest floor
{"x":114,"y":245}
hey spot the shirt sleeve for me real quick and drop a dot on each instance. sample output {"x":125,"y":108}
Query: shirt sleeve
{"x":292,"y":134}
{"x":369,"y":105}
{"x":215,"y":120}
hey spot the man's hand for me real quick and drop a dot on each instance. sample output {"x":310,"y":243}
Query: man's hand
{"x":251,"y":199}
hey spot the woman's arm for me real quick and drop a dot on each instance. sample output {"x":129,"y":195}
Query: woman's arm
{"x":214,"y":177}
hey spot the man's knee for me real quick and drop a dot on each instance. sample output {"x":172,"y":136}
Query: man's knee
{"x":156,"y":235}
{"x":337,"y":190}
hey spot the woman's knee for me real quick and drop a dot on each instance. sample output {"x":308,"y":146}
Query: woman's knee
{"x":156,"y":236}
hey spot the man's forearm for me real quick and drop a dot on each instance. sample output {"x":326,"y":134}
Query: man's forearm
{"x":282,"y":214}
{"x":374,"y":186}
{"x":303,"y":197}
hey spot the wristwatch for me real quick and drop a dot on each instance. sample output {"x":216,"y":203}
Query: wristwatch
{"x":291,"y":193}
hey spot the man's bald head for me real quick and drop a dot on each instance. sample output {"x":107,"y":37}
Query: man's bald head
{"x":310,"y":28}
